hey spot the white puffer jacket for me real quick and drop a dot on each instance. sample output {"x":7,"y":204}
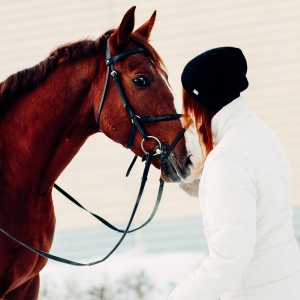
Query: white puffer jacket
{"x":245,"y":197}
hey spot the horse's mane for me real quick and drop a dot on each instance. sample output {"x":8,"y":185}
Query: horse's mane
{"x":28,"y":79}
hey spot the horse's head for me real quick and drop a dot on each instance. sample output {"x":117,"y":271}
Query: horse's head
{"x":142,"y":89}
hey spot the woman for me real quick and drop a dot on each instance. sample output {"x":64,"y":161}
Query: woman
{"x":244,"y":191}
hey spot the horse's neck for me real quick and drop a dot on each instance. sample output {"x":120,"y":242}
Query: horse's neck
{"x":46,"y":127}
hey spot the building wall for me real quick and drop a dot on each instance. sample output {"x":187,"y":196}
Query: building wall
{"x":186,"y":234}
{"x":267,"y":31}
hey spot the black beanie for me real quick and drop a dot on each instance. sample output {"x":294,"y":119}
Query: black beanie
{"x":216,"y":77}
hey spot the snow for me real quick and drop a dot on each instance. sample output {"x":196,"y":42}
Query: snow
{"x":123,"y":276}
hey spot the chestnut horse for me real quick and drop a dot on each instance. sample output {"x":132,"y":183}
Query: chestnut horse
{"x":46,"y":114}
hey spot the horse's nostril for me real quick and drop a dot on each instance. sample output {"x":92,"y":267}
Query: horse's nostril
{"x":195,"y":168}
{"x":188,"y":161}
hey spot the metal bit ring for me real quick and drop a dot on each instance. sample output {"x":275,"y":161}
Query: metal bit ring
{"x":158,"y":150}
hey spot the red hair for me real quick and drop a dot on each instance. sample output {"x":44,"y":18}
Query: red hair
{"x":202,"y":116}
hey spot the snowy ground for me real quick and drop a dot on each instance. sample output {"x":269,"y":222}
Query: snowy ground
{"x":125,"y":276}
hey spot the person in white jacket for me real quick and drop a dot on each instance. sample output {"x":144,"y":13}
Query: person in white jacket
{"x":244,"y":190}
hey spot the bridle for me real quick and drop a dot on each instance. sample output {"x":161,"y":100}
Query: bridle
{"x":137,"y":122}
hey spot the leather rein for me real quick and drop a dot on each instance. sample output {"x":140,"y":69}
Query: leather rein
{"x":136,"y":124}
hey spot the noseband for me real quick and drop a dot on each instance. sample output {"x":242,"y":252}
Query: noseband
{"x":136,"y":124}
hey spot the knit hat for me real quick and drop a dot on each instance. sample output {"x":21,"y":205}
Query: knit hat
{"x":216,"y":77}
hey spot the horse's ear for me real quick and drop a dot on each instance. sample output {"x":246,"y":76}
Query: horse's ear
{"x":146,"y":28}
{"x":121,"y":35}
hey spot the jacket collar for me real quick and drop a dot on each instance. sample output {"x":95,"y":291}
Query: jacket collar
{"x":229,"y":116}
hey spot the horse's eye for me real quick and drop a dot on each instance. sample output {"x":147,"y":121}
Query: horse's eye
{"x":141,"y":81}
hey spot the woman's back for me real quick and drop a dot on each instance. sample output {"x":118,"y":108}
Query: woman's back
{"x":276,"y":260}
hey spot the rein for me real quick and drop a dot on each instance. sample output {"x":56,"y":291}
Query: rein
{"x":136,"y":124}
{"x":74,"y":263}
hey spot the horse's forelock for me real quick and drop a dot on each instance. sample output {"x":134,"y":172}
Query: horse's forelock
{"x":150,"y":51}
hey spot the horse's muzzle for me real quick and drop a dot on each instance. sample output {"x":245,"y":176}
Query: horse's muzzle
{"x":174,"y":169}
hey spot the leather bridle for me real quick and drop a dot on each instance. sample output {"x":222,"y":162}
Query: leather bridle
{"x":137,"y":122}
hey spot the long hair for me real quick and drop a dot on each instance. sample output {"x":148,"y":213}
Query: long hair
{"x":202,"y":118}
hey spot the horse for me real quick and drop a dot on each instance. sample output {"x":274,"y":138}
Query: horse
{"x":48,"y":111}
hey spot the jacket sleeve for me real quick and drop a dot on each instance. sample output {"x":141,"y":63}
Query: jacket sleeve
{"x":228,"y":200}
